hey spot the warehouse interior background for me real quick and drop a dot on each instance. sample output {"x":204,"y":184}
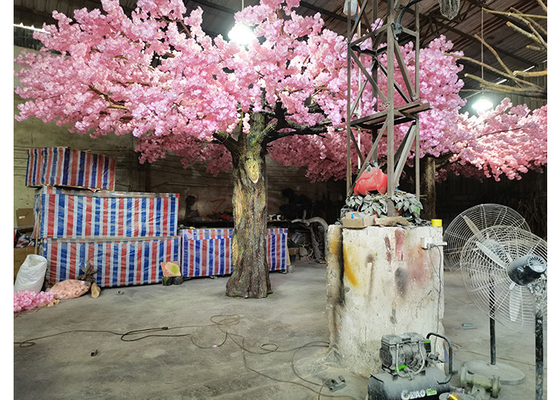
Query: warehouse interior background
{"x":288,"y":188}
{"x":167,"y":175}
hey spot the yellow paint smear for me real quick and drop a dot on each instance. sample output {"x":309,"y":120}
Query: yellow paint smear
{"x":349,"y":259}
{"x":334,"y":246}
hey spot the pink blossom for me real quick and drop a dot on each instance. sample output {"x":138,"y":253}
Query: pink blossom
{"x":28,"y":299}
{"x":158,"y":76}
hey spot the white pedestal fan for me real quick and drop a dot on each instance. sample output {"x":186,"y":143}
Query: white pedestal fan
{"x":504,"y":271}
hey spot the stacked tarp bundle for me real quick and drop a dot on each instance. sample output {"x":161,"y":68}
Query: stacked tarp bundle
{"x":207,"y":252}
{"x":62,"y":166}
{"x":64,"y":213}
{"x":124,"y":235}
{"x":120,"y":262}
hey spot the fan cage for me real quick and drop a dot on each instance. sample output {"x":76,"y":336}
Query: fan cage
{"x":482,"y":216}
{"x":488,"y":283}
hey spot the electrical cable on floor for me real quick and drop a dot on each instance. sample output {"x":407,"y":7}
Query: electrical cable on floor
{"x":218,"y":321}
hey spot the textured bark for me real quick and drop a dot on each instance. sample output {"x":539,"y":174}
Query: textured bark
{"x":250,"y":277}
{"x":429,"y":187}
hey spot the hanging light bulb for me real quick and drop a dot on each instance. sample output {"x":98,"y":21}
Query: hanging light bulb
{"x":353,"y":4}
{"x":241,"y":33}
{"x":482,"y":104}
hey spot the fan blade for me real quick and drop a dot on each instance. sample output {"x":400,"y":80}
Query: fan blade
{"x":490,"y":254}
{"x":514,"y":303}
{"x":472,"y":226}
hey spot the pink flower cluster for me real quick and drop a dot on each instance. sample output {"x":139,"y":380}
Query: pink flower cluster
{"x":28,"y":300}
{"x":158,"y":76}
{"x":506,"y":140}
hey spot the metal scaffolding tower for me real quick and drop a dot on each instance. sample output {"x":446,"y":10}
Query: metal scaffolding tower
{"x":386,"y":38}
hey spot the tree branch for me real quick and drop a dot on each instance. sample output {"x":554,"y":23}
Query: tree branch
{"x":529,"y":74}
{"x":227,"y":140}
{"x":495,"y":54}
{"x":296,"y":129}
{"x":510,"y":14}
{"x":490,"y":68}
{"x":532,"y":25}
{"x":525,"y":88}
{"x":537,"y":92}
{"x":113,"y":103}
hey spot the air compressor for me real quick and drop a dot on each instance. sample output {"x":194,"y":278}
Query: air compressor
{"x":409,"y":369}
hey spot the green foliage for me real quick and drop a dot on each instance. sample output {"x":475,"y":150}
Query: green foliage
{"x":377,"y":204}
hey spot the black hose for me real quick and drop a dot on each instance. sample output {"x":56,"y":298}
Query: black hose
{"x":450,"y":373}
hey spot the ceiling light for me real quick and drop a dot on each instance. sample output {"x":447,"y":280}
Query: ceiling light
{"x":482,"y":104}
{"x":31,"y":28}
{"x":353,"y":4}
{"x":241,"y":34}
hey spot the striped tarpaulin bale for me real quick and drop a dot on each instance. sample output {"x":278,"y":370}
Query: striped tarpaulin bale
{"x":207,"y":252}
{"x":120,"y":262}
{"x":61,"y":166}
{"x":65,"y":213}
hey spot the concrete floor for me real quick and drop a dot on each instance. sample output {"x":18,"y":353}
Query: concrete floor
{"x":217,"y":347}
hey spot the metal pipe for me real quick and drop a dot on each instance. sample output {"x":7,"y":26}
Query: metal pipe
{"x":539,"y":354}
{"x":492,"y":341}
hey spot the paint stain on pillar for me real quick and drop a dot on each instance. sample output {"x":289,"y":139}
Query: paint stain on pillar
{"x":349,"y":261}
{"x":399,"y":241}
{"x":401,"y":280}
{"x":394,"y":316}
{"x":418,"y":266}
{"x":388,"y":249}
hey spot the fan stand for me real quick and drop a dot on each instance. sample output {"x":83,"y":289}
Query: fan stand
{"x":507,"y":374}
{"x":538,"y":291}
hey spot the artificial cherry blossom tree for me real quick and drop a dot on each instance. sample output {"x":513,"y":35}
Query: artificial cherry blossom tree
{"x":158,"y":76}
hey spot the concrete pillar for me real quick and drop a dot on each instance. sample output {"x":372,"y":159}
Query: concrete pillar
{"x":381,"y":281}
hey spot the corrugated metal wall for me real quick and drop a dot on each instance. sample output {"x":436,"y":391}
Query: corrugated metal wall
{"x":527,"y":196}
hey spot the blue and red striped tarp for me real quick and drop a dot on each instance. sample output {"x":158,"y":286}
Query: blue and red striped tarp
{"x":64,"y":213}
{"x":120,"y":262}
{"x":207,"y":252}
{"x":61,"y":166}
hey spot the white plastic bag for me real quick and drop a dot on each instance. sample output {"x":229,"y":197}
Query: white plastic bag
{"x":31,"y":275}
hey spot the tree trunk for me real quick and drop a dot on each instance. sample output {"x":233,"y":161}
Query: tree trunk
{"x":428,"y":188}
{"x":250,"y":277}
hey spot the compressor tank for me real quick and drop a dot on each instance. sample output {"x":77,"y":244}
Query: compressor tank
{"x":425,"y":385}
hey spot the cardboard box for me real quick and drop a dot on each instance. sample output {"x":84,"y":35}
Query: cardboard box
{"x":25,"y":219}
{"x":356,"y":220}
{"x":20,"y":254}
